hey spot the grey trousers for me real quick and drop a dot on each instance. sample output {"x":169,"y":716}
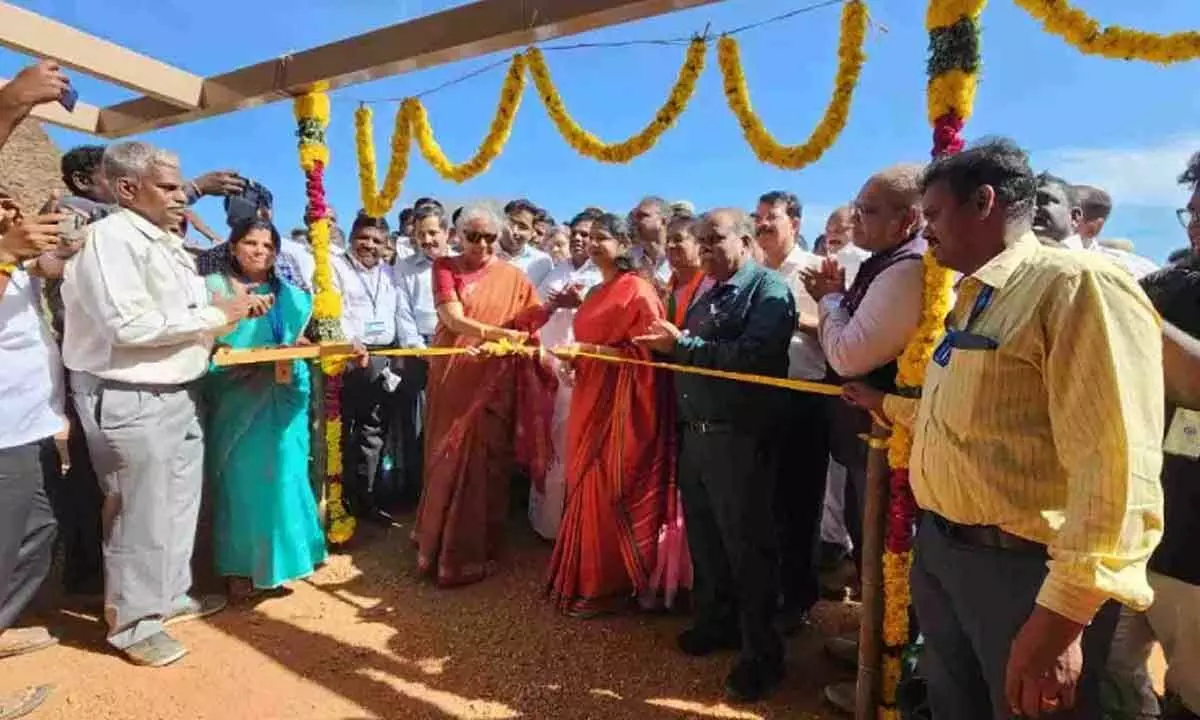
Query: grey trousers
{"x":147,"y":447}
{"x":971,"y":601}
{"x":26,"y":529}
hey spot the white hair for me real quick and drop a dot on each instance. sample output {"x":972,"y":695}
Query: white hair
{"x":134,"y":159}
{"x":475,"y":211}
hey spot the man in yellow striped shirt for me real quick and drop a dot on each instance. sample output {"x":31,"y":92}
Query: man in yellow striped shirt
{"x":1036,"y":451}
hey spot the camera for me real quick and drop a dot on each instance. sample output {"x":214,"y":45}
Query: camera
{"x":252,"y":202}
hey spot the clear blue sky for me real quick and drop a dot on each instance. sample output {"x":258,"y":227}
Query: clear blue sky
{"x":1125,"y":126}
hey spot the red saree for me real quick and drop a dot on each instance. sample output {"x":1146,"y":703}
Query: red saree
{"x":485,"y":416}
{"x":620,"y":463}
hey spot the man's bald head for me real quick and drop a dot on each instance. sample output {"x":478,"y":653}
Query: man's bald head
{"x":902,"y":182}
{"x":725,"y":236}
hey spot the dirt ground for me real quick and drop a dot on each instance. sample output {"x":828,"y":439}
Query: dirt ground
{"x":365,"y":638}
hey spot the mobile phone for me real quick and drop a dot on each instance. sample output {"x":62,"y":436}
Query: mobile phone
{"x":69,"y":97}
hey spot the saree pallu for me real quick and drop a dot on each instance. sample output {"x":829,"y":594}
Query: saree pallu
{"x":620,"y":467}
{"x":265,"y":519}
{"x":487,"y":417}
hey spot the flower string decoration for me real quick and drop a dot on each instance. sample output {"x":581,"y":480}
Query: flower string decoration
{"x":312,"y":119}
{"x":1087,"y":36}
{"x":587,"y":144}
{"x":767,"y":148}
{"x":953,"y":70}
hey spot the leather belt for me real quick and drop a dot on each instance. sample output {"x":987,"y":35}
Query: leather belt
{"x":704,"y":427}
{"x":987,"y":536}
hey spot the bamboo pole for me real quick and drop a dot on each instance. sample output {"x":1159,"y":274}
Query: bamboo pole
{"x":316,"y":468}
{"x":870,"y":634}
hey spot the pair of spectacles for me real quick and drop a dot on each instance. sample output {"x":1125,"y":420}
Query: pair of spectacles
{"x":475,"y":237}
{"x":1186,"y":216}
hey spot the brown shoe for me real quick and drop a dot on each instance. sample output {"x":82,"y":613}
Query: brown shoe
{"x":19,"y":641}
{"x":20,"y":704}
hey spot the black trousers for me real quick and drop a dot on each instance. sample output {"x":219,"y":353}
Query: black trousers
{"x":367,"y":410}
{"x":406,"y":434}
{"x":800,"y":497}
{"x":26,"y":526}
{"x":727,"y":480}
{"x":77,"y":502}
{"x":971,"y":602}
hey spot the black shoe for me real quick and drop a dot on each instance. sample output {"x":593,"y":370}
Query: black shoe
{"x":698,"y":643}
{"x":753,"y":679}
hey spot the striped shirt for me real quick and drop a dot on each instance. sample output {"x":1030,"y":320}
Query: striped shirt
{"x":1055,"y":434}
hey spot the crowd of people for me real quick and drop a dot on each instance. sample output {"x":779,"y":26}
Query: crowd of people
{"x":1045,"y":565}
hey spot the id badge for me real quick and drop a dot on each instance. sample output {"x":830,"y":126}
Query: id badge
{"x":1183,"y":437}
{"x":374,"y":329}
{"x":283,"y":372}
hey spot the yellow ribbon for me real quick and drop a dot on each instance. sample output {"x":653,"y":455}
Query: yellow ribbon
{"x":506,"y":348}
{"x":797,"y":385}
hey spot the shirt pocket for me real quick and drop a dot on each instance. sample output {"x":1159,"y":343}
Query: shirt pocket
{"x":970,"y":390}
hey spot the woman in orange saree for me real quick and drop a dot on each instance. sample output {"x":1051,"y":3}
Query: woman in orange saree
{"x":486,"y":415}
{"x":620,"y":463}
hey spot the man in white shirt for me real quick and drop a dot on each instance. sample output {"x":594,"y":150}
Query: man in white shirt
{"x":369,"y":304}
{"x":1062,"y":218}
{"x":139,"y":330}
{"x":649,"y":221}
{"x":835,"y":537}
{"x":839,"y":244}
{"x":575,"y":270}
{"x":865,"y":327}
{"x":801,"y":487}
{"x":516,"y":244}
{"x":416,"y":323}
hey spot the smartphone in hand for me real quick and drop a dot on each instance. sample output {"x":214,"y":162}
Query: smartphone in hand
{"x":68,"y":99}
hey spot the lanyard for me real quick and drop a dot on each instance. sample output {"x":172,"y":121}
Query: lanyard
{"x":373,"y":297}
{"x":964,"y":338}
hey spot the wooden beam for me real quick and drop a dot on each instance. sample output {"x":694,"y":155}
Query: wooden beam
{"x":33,"y":34}
{"x":459,"y":33}
{"x":85,"y":118}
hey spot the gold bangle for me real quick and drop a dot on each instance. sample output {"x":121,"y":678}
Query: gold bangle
{"x":8,"y":268}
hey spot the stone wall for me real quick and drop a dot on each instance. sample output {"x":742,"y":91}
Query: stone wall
{"x":29,"y":166}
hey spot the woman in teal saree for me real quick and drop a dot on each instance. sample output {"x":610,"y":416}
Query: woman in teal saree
{"x":266,"y":530}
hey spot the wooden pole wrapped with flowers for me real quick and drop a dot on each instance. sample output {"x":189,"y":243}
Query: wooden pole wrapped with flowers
{"x":312,"y":118}
{"x":953,"y":71}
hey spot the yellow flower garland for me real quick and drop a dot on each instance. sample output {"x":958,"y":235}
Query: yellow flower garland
{"x":1085,"y":34}
{"x":896,"y":567}
{"x":953,"y":91}
{"x":587,"y":144}
{"x":498,"y":134}
{"x":766,"y":147}
{"x":935,"y":304}
{"x":377,"y":204}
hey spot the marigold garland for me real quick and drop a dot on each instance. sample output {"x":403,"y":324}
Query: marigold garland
{"x":312,"y":119}
{"x":1086,"y":35}
{"x":587,"y":144}
{"x":766,"y":147}
{"x":953,"y":77}
{"x":497,"y":136}
{"x":377,"y":204}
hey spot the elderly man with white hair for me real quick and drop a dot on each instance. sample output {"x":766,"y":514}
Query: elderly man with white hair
{"x":139,"y":331}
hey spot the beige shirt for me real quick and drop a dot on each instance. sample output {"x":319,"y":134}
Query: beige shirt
{"x":135,"y":309}
{"x":881,"y":326}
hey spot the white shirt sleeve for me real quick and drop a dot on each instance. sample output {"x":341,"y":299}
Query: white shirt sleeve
{"x":109,"y":278}
{"x":885,"y":320}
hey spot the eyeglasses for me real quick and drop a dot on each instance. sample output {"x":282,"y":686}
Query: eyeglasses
{"x":1186,"y":217}
{"x":475,"y":237}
